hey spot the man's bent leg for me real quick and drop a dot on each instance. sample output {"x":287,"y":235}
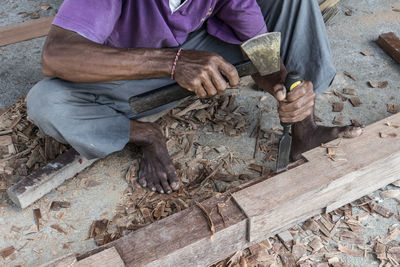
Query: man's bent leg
{"x":72,"y":116}
{"x":305,"y":46}
{"x":305,"y":49}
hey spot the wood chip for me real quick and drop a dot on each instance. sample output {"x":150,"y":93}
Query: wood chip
{"x":393,"y":108}
{"x":285,"y":236}
{"x":366,"y":52}
{"x":350,"y":91}
{"x":37,"y":216}
{"x":390,"y":193}
{"x":288,"y":260}
{"x":316,"y":244}
{"x":394,"y":252}
{"x":338,"y":120}
{"x":355,"y":101}
{"x":348,"y":251}
{"x":7,"y":252}
{"x":374,"y":84}
{"x":381,"y":210}
{"x":58,"y":228}
{"x":340,"y":95}
{"x":299,"y":251}
{"x":348,"y":74}
{"x":337,"y":106}
{"x":380,"y":251}
{"x":349,"y":236}
{"x":389,"y":135}
{"x":58,"y":205}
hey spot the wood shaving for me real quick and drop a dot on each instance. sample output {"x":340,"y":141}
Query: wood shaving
{"x":348,"y":74}
{"x":374,"y":84}
{"x":393,"y":108}
{"x":366,"y":53}
{"x":350,"y":91}
{"x":355,"y":101}
{"x":208,"y":217}
{"x":389,"y":135}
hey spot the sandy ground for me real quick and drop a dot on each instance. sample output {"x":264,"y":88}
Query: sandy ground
{"x":95,"y":193}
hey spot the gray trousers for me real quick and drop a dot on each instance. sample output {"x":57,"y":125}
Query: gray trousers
{"x":94,"y":118}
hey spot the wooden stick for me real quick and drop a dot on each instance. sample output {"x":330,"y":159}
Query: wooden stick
{"x":23,"y":31}
{"x":43,"y":180}
{"x":272,"y":206}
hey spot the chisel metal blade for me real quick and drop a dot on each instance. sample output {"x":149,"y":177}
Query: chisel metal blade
{"x":282,"y":160}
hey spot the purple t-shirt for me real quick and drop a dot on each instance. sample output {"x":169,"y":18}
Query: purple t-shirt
{"x":152,"y":24}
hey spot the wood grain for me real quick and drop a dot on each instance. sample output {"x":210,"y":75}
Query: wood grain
{"x":366,"y":164}
{"x":23,"y":31}
{"x":43,"y":180}
{"x":268,"y":207}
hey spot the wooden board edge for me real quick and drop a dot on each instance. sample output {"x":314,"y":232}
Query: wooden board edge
{"x":14,"y":33}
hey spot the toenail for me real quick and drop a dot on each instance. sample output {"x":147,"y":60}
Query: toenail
{"x":173,"y":184}
{"x":153,"y":189}
{"x":162,"y":191}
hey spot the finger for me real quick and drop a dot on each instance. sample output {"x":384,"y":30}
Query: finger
{"x":299,"y":103}
{"x":298,"y":115}
{"x":229,"y":71}
{"x":200,"y":92}
{"x":209,"y":87}
{"x":219,"y":83}
{"x":299,"y":91}
{"x":279,"y":92}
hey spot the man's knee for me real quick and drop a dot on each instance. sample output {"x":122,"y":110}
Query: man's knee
{"x":42,"y":101}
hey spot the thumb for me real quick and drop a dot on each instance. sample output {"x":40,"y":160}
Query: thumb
{"x":279,"y":92}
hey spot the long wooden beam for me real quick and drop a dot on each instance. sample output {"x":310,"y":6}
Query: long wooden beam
{"x":362,"y":166}
{"x":23,"y":31}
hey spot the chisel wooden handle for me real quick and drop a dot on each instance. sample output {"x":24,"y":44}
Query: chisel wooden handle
{"x":173,"y":92}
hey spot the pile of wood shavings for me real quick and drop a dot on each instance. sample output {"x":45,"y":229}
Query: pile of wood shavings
{"x":204,"y":171}
{"x":23,"y":148}
{"x":323,"y":240}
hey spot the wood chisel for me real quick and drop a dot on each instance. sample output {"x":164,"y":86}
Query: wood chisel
{"x":293,"y":79}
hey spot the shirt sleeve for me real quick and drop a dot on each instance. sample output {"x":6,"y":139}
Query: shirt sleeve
{"x":92,"y":19}
{"x":236,"y":21}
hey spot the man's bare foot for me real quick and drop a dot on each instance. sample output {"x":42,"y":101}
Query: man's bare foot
{"x":306,"y":135}
{"x":156,"y":170}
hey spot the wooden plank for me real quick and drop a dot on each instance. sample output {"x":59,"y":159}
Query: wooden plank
{"x":23,"y":31}
{"x":268,"y":207}
{"x":184,"y":239}
{"x":391,"y":44}
{"x":367,"y":164}
{"x":42,"y":181}
{"x":108,"y":257}
{"x":328,"y":4}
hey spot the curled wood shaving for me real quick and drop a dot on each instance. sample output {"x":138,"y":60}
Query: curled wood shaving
{"x":348,"y":251}
{"x":351,"y":76}
{"x":6,"y":252}
{"x":58,"y":228}
{"x":389,"y":135}
{"x":37,"y":216}
{"x":208,"y":217}
{"x":374,"y":84}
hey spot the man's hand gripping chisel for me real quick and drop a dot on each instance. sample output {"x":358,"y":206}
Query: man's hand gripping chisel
{"x":292,"y":81}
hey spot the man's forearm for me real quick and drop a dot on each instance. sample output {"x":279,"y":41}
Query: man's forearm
{"x":72,"y":57}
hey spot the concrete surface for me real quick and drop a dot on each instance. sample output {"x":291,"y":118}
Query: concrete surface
{"x":20,"y":69}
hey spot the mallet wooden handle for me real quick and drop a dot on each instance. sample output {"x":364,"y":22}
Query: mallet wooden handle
{"x":173,"y":92}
